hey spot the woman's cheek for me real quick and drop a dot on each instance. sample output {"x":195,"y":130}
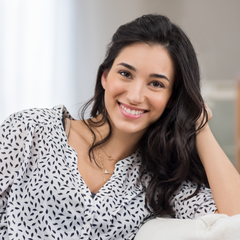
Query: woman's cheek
{"x":117,"y":87}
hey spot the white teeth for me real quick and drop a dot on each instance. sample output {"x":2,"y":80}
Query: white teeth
{"x":132,"y":112}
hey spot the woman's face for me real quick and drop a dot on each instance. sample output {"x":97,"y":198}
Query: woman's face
{"x":138,"y":87}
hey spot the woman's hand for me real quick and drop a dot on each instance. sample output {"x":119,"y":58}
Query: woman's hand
{"x":201,"y":120}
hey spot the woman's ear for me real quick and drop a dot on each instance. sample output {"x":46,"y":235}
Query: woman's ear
{"x":104,"y":78}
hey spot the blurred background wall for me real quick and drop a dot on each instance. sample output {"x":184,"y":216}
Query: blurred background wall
{"x":50,"y":51}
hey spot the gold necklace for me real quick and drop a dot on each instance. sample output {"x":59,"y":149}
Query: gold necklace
{"x":110,"y":158}
{"x":103,"y":169}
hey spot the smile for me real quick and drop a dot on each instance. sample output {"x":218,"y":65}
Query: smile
{"x":129,"y":111}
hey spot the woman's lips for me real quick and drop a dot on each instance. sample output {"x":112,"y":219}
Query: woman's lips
{"x":131,"y":112}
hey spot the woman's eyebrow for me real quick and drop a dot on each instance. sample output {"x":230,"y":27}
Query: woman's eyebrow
{"x":159,"y":76}
{"x":155,"y":75}
{"x":128,"y":66}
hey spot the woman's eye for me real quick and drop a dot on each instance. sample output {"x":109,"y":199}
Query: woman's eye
{"x":125,"y":74}
{"x":157,"y":84}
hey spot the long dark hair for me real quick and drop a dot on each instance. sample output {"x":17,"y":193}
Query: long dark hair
{"x":168,"y":147}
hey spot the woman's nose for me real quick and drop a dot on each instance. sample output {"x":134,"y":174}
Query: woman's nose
{"x":136,"y":93}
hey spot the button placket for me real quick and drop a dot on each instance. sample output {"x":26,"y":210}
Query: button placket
{"x":89,"y":215}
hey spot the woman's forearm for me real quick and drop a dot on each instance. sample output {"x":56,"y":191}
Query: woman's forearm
{"x":223,"y":178}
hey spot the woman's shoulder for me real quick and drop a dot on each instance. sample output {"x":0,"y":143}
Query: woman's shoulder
{"x":38,"y":115}
{"x":28,"y":118}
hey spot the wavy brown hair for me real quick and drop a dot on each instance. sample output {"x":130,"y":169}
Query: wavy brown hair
{"x":168,"y":147}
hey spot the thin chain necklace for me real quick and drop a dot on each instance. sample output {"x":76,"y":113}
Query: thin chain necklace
{"x":104,"y":171}
{"x":110,"y":158}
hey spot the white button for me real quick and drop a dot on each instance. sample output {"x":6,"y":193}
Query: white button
{"x":87,"y":226}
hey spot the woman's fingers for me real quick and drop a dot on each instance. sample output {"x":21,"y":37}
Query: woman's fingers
{"x":209,"y":111}
{"x":209,"y":116}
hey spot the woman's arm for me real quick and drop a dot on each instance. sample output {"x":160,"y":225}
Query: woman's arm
{"x":12,"y":135}
{"x":223,"y":178}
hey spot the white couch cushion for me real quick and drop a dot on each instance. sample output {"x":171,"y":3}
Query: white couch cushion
{"x":208,"y":227}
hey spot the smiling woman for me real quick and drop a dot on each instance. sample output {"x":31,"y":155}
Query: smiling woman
{"x":146,"y":150}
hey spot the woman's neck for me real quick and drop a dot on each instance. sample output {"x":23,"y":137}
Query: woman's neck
{"x":120,"y":145}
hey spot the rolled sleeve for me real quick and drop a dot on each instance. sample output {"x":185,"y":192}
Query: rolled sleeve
{"x":194,"y":207}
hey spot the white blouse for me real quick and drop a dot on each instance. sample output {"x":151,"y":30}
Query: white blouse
{"x":43,"y":196}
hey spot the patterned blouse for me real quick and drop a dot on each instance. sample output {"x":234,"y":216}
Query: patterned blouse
{"x":43,"y":196}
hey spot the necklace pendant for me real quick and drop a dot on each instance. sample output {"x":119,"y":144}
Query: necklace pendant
{"x":106,"y":172}
{"x":110,"y":158}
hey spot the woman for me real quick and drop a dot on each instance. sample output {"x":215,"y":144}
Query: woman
{"x":147,"y":149}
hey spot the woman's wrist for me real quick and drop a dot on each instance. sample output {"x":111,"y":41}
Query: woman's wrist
{"x":203,"y":130}
{"x":204,"y":137}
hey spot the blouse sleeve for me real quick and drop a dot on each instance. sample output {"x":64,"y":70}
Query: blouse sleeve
{"x":11,"y":156}
{"x":199,"y":205}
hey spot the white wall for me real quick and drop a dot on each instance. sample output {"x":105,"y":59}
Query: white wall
{"x":37,"y":54}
